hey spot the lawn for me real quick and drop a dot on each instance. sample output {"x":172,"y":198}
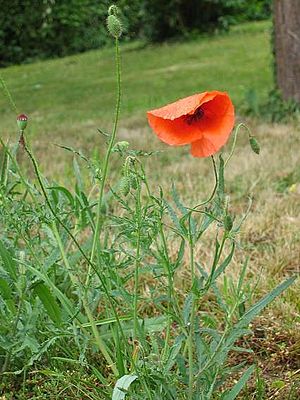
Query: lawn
{"x":73,"y":95}
{"x":68,"y":99}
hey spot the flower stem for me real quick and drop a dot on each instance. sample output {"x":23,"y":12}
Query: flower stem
{"x":192,"y":325}
{"x":137,"y":261}
{"x":214,"y":189}
{"x":8,"y":95}
{"x":237,"y":129}
{"x":108,"y":153}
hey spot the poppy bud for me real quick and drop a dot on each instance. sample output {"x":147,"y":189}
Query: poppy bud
{"x":124,"y":186}
{"x":22,"y":121}
{"x":228,"y":223}
{"x":254,"y":144}
{"x":114,"y":26}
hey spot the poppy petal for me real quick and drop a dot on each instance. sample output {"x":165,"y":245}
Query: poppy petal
{"x":170,"y":124}
{"x":179,"y":108}
{"x":218,"y":120}
{"x":203,"y":148}
{"x":206,"y":118}
{"x":174,"y":132}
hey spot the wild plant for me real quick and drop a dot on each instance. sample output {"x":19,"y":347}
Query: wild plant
{"x":107,"y":275}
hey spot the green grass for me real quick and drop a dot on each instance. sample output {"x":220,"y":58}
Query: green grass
{"x":76,"y":94}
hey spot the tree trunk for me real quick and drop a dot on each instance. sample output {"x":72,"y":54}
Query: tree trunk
{"x":287,"y":47}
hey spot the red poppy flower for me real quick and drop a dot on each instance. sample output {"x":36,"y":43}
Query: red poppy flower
{"x":204,"y":120}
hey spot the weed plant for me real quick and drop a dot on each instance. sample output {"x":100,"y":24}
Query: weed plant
{"x":89,"y":275}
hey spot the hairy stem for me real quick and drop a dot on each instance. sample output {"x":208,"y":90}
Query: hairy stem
{"x":190,"y":343}
{"x":107,"y":156}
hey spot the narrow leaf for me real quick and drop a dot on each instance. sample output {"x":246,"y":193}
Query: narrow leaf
{"x":240,"y":384}
{"x":8,"y":261}
{"x":256,"y":309}
{"x":49,"y":302}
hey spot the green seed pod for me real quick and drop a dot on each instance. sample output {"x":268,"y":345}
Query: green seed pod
{"x":22,"y":120}
{"x":254,"y":144}
{"x":133,"y":181}
{"x":228,"y":223}
{"x":124,"y":186}
{"x":114,"y":26}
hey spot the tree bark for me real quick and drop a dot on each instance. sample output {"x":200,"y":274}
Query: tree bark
{"x":287,"y":47}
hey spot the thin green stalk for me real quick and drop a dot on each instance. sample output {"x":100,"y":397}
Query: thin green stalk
{"x":137,"y":262}
{"x":214,"y":189}
{"x":241,"y":125}
{"x":190,"y":343}
{"x":8,"y":95}
{"x":216,"y":260}
{"x":170,"y":288}
{"x":16,"y":165}
{"x":108,"y":153}
{"x":101,"y":345}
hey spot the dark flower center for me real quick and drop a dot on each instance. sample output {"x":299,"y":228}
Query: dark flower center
{"x":191,"y":119}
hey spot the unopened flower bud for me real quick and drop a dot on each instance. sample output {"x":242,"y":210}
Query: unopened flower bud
{"x":22,"y":120}
{"x":114,"y":26}
{"x":254,"y":144}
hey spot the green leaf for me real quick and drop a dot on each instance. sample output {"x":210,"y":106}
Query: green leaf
{"x":177,"y":201}
{"x":256,"y":309}
{"x":180,"y":255}
{"x":122,"y":386}
{"x":175,"y":349}
{"x":7,"y":295}
{"x":240,"y":384}
{"x":4,"y":168}
{"x":224,"y":264}
{"x":5,"y":289}
{"x":64,"y":191}
{"x":187,"y":307}
{"x":49,"y":302}
{"x":174,"y":217}
{"x":64,"y":300}
{"x":150,"y":325}
{"x":8,"y":261}
{"x":108,"y":321}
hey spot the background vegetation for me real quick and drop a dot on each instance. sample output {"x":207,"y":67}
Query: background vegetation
{"x":40,"y":29}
